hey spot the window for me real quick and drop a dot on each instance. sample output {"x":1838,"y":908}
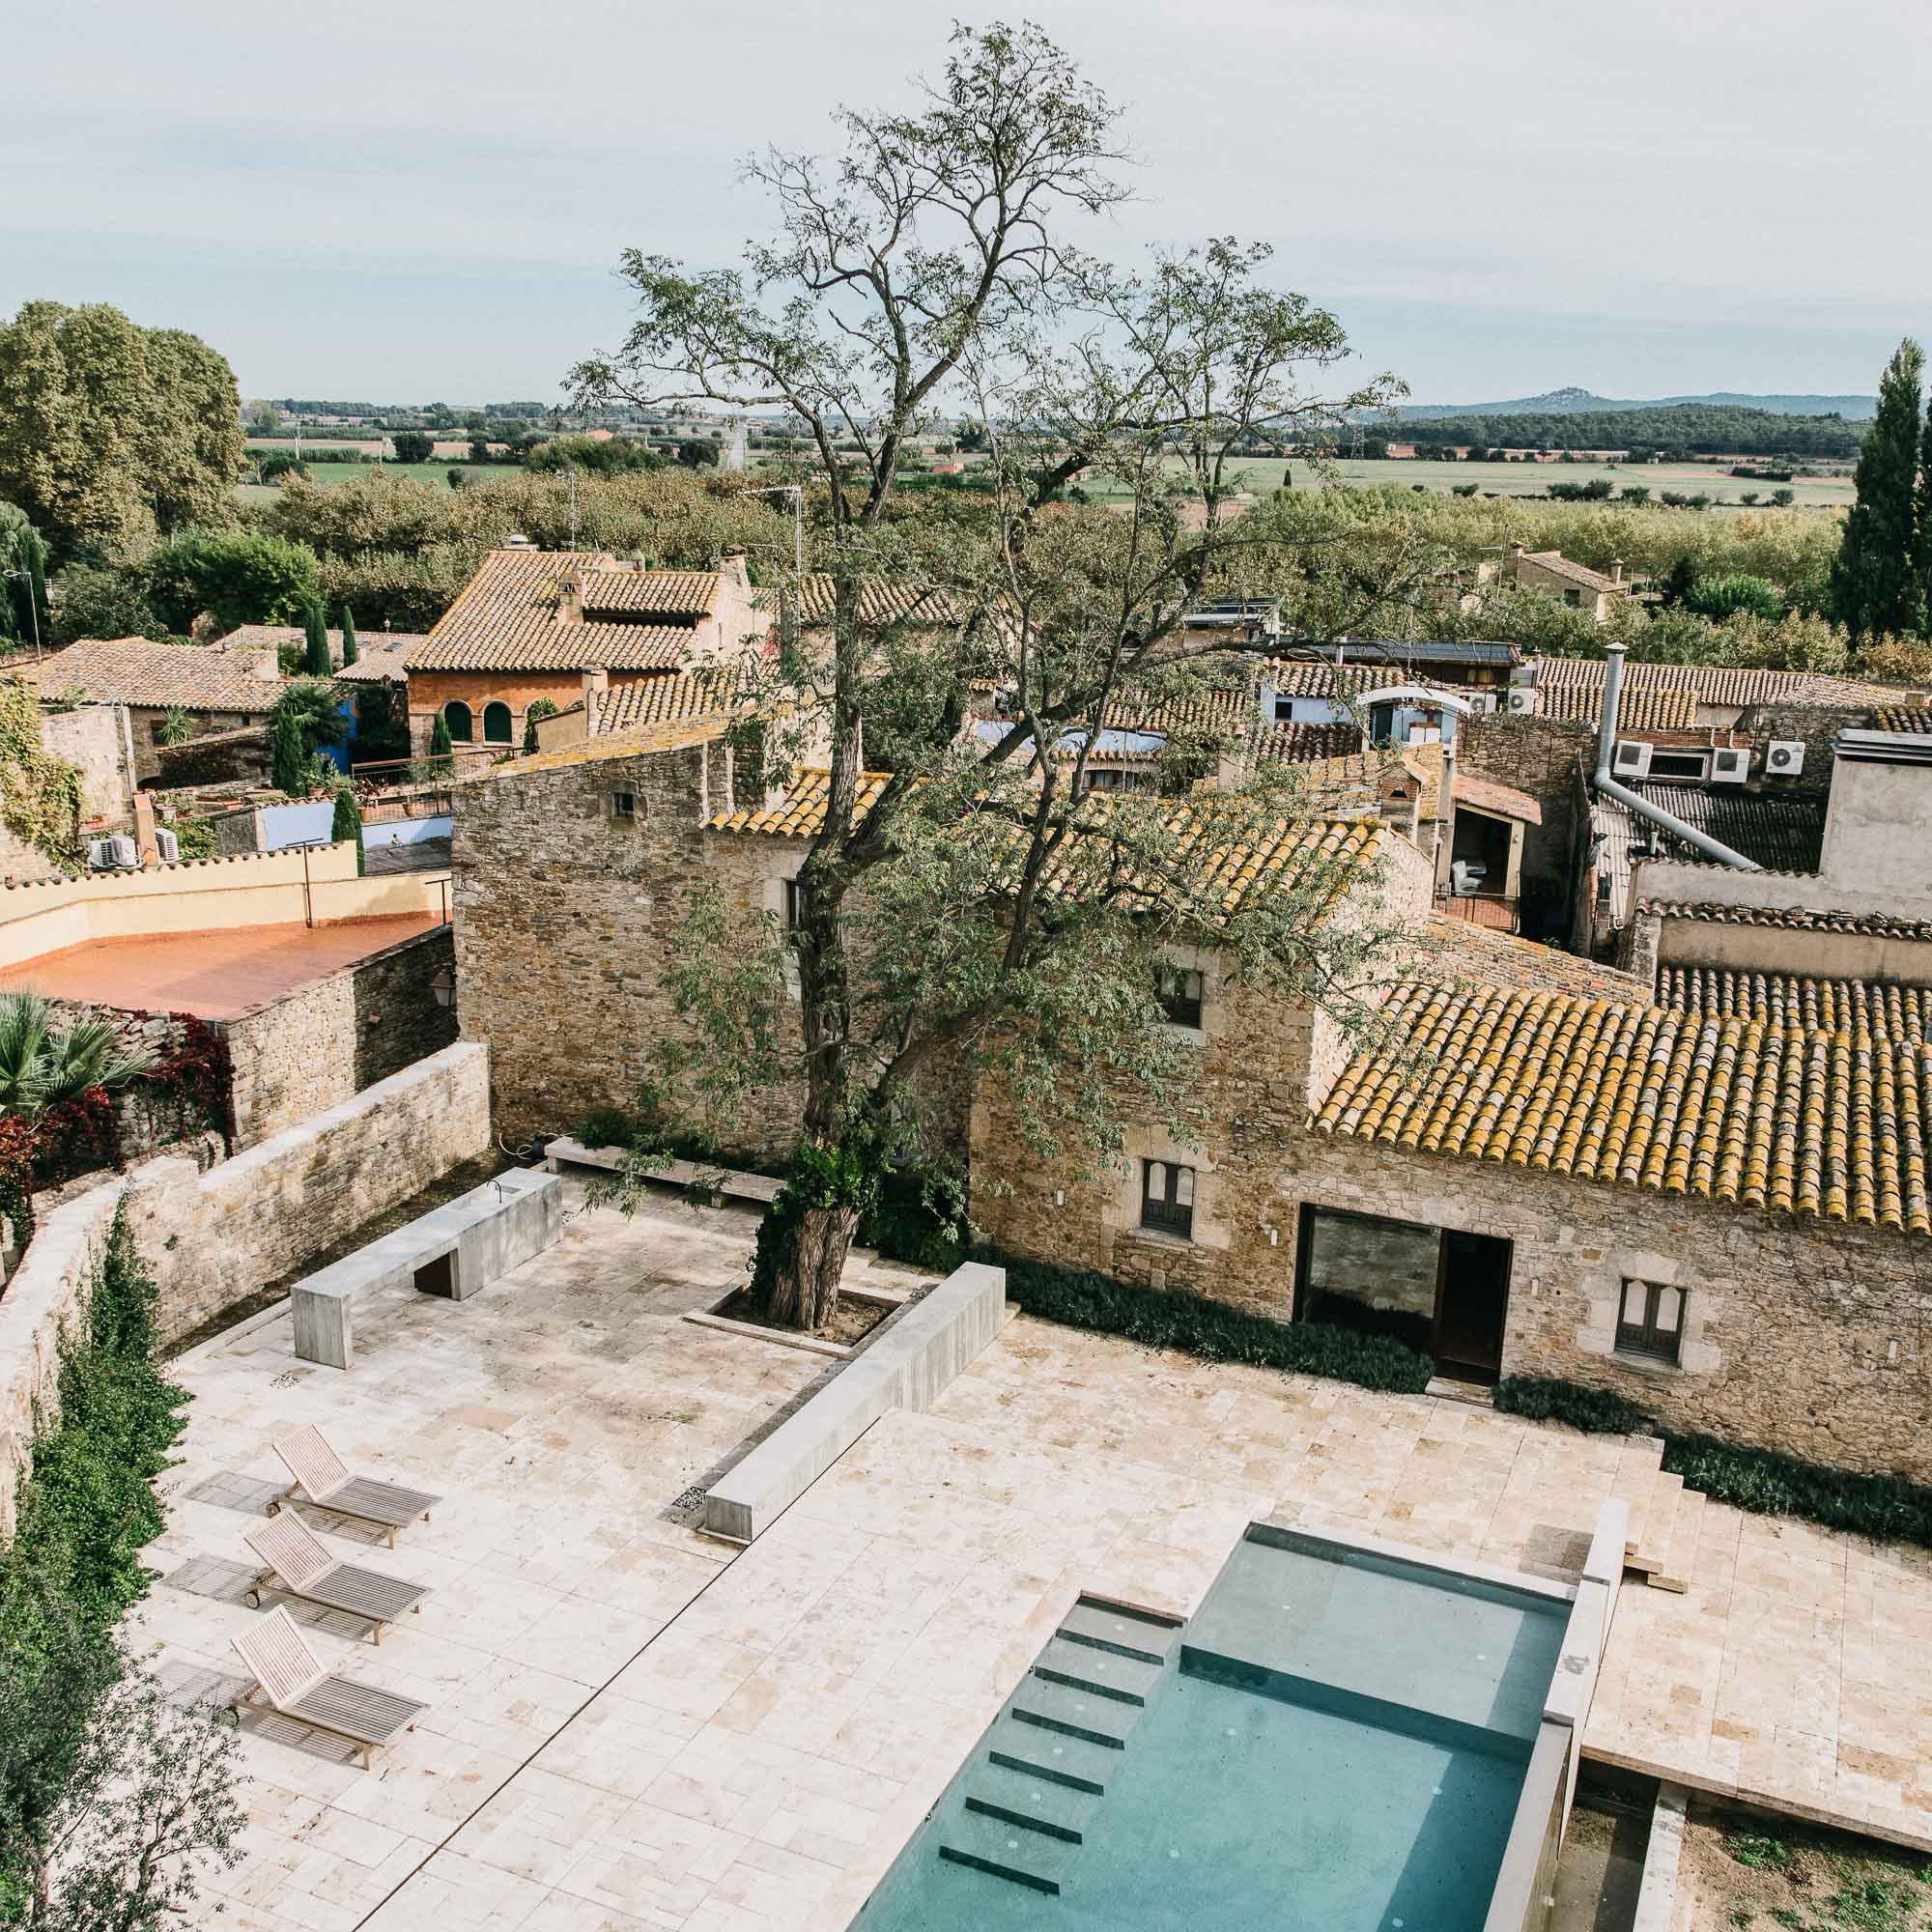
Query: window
{"x":1167,"y":1198}
{"x":1678,"y":764}
{"x":791,"y":905}
{"x":1178,"y":989}
{"x":1284,"y":710}
{"x":624,"y":807}
{"x":1651,"y":1321}
{"x":457,"y":718}
{"x":495,"y":724}
{"x":1572,"y":598}
{"x":1110,"y":778}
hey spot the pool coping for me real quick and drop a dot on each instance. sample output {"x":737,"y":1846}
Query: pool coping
{"x":1283,"y":1534}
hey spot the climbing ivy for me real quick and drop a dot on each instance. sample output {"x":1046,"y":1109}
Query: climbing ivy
{"x":40,"y":794}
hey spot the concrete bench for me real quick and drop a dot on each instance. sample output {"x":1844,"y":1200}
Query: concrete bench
{"x":910,"y":1366}
{"x":452,"y":1251}
{"x":674,"y":1172}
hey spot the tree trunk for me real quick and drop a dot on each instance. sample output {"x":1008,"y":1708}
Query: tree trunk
{"x":806,"y":1289}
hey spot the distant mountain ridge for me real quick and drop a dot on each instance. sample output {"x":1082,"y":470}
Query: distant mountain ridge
{"x":1575,"y":402}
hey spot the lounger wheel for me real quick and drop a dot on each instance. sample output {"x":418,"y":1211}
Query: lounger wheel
{"x":254,"y":1600}
{"x":276,"y":1507}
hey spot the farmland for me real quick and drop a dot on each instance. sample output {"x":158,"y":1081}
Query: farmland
{"x":325,"y":474}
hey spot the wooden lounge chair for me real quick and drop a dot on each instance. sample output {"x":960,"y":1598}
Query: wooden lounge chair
{"x":301,"y":1567}
{"x":293,"y":1684}
{"x":320,"y":1478}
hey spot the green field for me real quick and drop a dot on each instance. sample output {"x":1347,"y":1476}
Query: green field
{"x":1533,"y":479}
{"x":327,"y":475}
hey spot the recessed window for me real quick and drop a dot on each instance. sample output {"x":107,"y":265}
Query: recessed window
{"x":1110,"y":778}
{"x":791,"y":897}
{"x":1167,"y":1198}
{"x":1178,"y":991}
{"x":625,"y":805}
{"x":1650,"y":1322}
{"x":495,"y":724}
{"x":1572,"y":598}
{"x":1678,"y":764}
{"x":457,"y":718}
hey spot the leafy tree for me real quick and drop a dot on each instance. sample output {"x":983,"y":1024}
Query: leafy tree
{"x":1783,"y":498}
{"x":23,"y":585}
{"x":540,"y":709}
{"x":1720,"y":597}
{"x":110,"y":434}
{"x":288,"y":767}
{"x":348,"y":824}
{"x":915,"y":278}
{"x":97,"y":601}
{"x":235,"y":576}
{"x":351,"y":649}
{"x":697,"y":453}
{"x":316,"y":712}
{"x":413,"y":446}
{"x":316,"y":659}
{"x":380,"y":734}
{"x":592,"y":456}
{"x":280,"y":464}
{"x":1874,"y":584}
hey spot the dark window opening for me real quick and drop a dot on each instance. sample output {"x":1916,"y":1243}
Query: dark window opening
{"x":457,"y":718}
{"x":1572,"y":598}
{"x":1678,"y":764}
{"x":1167,"y":1198}
{"x":624,"y":805}
{"x":793,"y":920}
{"x":1178,"y":991}
{"x":1284,"y":710}
{"x":1650,"y":1322}
{"x":495,"y":724}
{"x":1110,"y":778}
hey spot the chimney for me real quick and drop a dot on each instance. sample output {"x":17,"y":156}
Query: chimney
{"x":1616,"y":570}
{"x":595,"y":681}
{"x":732,"y":566}
{"x":145,"y":842}
{"x":1516,"y":549}
{"x":570,"y":599}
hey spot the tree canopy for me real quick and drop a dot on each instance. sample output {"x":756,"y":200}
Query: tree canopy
{"x":111,"y":434}
{"x":235,"y":576}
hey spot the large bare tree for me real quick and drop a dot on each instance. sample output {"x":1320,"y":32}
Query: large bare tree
{"x":969,"y":901}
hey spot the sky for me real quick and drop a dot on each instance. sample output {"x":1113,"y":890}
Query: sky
{"x":418,"y":200}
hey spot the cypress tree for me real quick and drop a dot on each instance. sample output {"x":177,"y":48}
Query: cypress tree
{"x":348,"y":824}
{"x":1875,"y":584}
{"x":288,"y":769}
{"x":440,"y":746}
{"x":1921,"y":533}
{"x":315,"y":659}
{"x":351,"y":650}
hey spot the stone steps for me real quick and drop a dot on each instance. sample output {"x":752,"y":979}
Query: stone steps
{"x":1674,"y":1567}
{"x":1635,"y":1477}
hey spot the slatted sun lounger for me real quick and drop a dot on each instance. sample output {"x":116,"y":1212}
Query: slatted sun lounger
{"x":322,"y":1478}
{"x":291,"y":1682}
{"x":301,"y":1567}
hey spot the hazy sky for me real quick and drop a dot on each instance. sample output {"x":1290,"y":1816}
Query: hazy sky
{"x":418,"y":200}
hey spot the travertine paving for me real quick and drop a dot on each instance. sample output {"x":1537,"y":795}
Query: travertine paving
{"x":629,"y":1728}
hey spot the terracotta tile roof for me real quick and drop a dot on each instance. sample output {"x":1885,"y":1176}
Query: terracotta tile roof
{"x":1319,"y":854}
{"x":1290,"y":744}
{"x":1559,"y":565}
{"x":671,"y":735}
{"x":1722,"y":686}
{"x":1329,"y":680}
{"x":1789,"y":919}
{"x":1487,"y":795}
{"x":656,"y":593}
{"x":132,"y":670}
{"x":1651,"y":1097}
{"x":1641,"y":707}
{"x":1863,"y":1008}
{"x":505,"y":618}
{"x":882,"y":600}
{"x":1353,"y":780}
{"x":656,"y":700}
{"x":381,"y":658}
{"x":1917,"y":718}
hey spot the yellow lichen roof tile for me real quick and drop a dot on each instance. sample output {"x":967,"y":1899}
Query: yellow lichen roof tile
{"x":1728,"y":1098}
{"x":661,"y":697}
{"x":671,"y":735}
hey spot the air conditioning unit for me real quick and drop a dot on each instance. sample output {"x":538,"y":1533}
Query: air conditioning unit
{"x":1632,"y":759}
{"x":116,"y":854}
{"x":168,"y":845}
{"x":1784,"y":757}
{"x":1523,"y":700}
{"x":1731,"y":765}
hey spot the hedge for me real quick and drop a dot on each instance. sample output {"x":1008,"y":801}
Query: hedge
{"x":1760,"y":1481}
{"x":1211,"y":1330}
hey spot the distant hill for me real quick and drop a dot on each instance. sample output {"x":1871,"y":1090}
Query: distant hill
{"x":1580,"y":402}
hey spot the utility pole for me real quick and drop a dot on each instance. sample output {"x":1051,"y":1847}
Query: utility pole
{"x":33,"y":606}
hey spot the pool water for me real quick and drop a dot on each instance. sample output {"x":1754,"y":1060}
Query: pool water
{"x":1335,"y":1743}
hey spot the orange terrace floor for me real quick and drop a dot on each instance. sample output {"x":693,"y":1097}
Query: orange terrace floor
{"x":213,"y":975}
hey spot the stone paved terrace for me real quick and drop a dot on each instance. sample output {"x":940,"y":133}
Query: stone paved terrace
{"x":629,"y":1727}
{"x":214,"y":975}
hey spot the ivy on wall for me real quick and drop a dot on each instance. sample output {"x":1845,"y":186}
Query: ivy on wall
{"x":40,"y":794}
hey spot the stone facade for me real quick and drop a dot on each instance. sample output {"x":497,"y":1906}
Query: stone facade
{"x":213,"y":1238}
{"x":1547,"y":758}
{"x":323,"y":1042}
{"x":98,"y":739}
{"x":1800,"y":1336}
{"x":1500,"y":959}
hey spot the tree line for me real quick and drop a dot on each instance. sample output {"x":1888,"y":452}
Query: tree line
{"x":1677,"y":431}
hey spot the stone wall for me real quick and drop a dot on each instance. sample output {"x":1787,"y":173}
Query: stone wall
{"x":1541,"y":757}
{"x":1500,"y":959}
{"x":98,"y":739}
{"x":317,"y":1045}
{"x":1815,"y":726}
{"x":214,"y":1238}
{"x":1804,"y":1337}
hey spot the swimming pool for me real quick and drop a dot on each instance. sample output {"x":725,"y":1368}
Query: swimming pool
{"x":1337,"y":1742}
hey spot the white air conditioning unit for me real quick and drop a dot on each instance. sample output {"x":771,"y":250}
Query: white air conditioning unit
{"x":1523,"y":700}
{"x":116,"y":854}
{"x":1731,"y":765}
{"x":1632,"y":759}
{"x":168,"y":845}
{"x":1484,"y":703}
{"x":1784,"y":757}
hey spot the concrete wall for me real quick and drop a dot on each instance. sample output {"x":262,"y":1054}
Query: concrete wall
{"x":45,"y":1301}
{"x":259,"y":889}
{"x":318,"y":1045}
{"x":1876,"y":850}
{"x":215,"y":1238}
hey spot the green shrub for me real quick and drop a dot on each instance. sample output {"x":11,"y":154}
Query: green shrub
{"x":1170,"y":1319}
{"x":604,"y":1126}
{"x":1594,"y":1411}
{"x":918,"y":1217}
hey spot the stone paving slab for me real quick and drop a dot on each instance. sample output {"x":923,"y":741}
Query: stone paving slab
{"x":630,"y":1726}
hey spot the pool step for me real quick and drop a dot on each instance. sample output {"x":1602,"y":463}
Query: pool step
{"x":1041,"y":1805}
{"x":1035,"y":1751}
{"x":1074,"y":1714}
{"x":1079,"y":1666}
{"x":1008,"y":1851}
{"x":1143,"y":1636}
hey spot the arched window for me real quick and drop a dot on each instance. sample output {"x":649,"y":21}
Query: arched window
{"x":495,"y":724}
{"x":457,"y":718}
